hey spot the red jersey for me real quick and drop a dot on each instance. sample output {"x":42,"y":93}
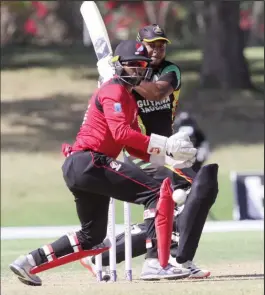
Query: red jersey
{"x":110,"y":123}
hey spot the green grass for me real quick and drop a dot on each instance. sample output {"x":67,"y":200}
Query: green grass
{"x":235,"y":259}
{"x":42,"y":106}
{"x":250,"y":53}
{"x":35,"y":193}
{"x":254,"y":55}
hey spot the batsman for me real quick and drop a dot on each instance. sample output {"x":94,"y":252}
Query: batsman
{"x":92,"y":174}
{"x":157,"y":116}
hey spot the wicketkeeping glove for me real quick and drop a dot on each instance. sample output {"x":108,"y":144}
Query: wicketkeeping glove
{"x":177,"y":164}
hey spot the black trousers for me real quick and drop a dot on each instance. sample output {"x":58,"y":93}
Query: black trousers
{"x":92,"y":178}
{"x":194,"y":212}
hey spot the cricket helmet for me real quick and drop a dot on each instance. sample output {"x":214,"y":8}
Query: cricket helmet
{"x":131,"y":54}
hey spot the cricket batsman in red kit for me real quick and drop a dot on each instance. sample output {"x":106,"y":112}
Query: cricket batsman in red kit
{"x":92,"y":174}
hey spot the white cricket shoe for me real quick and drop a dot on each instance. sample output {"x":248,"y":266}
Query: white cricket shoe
{"x":152,"y":270}
{"x":195,"y":271}
{"x":22,"y":266}
{"x":90,"y":266}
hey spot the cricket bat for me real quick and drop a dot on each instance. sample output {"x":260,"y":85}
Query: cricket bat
{"x":96,"y":29}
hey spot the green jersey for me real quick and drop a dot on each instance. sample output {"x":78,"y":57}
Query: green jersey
{"x":158,"y":116}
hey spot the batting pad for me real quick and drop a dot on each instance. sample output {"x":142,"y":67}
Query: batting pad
{"x":164,"y":221}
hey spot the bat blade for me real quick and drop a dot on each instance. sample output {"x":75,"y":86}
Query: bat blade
{"x":96,"y":28}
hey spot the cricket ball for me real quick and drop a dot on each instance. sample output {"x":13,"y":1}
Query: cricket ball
{"x":179,"y":196}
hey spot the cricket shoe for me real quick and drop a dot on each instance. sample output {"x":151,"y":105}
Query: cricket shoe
{"x":22,"y":266}
{"x":195,"y":271}
{"x":90,"y":266}
{"x":152,"y":270}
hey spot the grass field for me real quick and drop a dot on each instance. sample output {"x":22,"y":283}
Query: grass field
{"x":32,"y":197}
{"x":44,"y":94}
{"x":235,"y":260}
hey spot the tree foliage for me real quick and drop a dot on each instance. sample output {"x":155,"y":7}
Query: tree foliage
{"x":224,"y":65}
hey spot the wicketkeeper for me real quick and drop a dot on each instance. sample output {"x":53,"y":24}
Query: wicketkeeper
{"x":93,"y":174}
{"x":186,"y":123}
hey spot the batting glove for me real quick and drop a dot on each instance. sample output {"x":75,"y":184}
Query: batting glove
{"x":105,"y":69}
{"x":178,"y":146}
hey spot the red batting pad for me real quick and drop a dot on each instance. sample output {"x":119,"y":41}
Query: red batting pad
{"x":164,"y":221}
{"x":66,"y":259}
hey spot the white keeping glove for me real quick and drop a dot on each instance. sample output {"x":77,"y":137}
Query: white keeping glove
{"x":177,"y":146}
{"x":177,"y":164}
{"x":157,"y":160}
{"x":166,"y":160}
{"x":203,"y":151}
{"x":105,"y":68}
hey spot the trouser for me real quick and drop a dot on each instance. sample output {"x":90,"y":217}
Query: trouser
{"x":93,"y":177}
{"x":181,"y":178}
{"x":191,"y":220}
{"x":188,"y":224}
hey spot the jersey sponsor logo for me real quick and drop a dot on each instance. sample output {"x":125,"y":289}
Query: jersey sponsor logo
{"x":147,"y":106}
{"x":117,"y":107}
{"x":115,"y":166}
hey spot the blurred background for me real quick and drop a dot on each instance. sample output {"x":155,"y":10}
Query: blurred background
{"x":48,"y":72}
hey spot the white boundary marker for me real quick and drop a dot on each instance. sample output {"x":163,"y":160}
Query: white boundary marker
{"x":43,"y":232}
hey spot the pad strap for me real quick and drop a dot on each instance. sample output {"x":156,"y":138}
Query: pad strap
{"x":148,"y":243}
{"x":149,"y":213}
{"x":74,"y":242}
{"x":48,"y":250}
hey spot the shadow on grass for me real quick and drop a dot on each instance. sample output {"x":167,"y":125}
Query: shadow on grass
{"x":46,"y":122}
{"x":43,"y":124}
{"x":14,"y":58}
